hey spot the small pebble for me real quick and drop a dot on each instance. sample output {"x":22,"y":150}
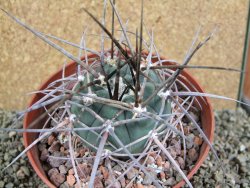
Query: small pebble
{"x":71,"y":180}
{"x":181,"y":162}
{"x":51,"y":139}
{"x":62,"y":149}
{"x":12,"y":134}
{"x":150,"y":160}
{"x":190,"y":141}
{"x":82,"y":152}
{"x":162,"y":176}
{"x":56,"y":161}
{"x":169,"y":182}
{"x":20,"y":174}
{"x":71,"y":171}
{"x":62,"y":169}
{"x":117,"y":168}
{"x":41,"y":146}
{"x":2,"y":184}
{"x":159,"y":161}
{"x":55,"y":147}
{"x":56,"y":177}
{"x":25,"y":170}
{"x":104,"y":172}
{"x":68,"y":164}
{"x":166,"y":166}
{"x":132,"y":173}
{"x":9,"y":185}
{"x":83,"y":170}
{"x":172,"y":153}
{"x":186,"y":130}
{"x":194,"y":116}
{"x":198,"y":140}
{"x":44,"y":155}
{"x":6,"y":157}
{"x":147,"y":180}
{"x":192,"y":154}
{"x":98,"y":183}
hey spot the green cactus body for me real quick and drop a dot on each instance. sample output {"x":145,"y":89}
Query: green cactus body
{"x":129,"y":132}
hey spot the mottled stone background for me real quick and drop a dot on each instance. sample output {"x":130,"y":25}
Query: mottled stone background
{"x":26,"y":61}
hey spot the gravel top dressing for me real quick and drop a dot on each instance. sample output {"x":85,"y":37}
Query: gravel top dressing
{"x":232,"y":143}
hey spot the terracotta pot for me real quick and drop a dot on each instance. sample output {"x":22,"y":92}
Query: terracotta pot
{"x":207,"y":119}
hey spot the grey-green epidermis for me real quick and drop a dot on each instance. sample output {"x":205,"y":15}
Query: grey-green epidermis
{"x":127,"y":133}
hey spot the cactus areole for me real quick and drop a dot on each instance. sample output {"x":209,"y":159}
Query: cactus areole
{"x":133,"y":135}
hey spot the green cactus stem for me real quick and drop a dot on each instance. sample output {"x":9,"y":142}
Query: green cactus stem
{"x":129,"y":132}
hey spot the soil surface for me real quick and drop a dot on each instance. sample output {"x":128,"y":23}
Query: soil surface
{"x":232,"y":143}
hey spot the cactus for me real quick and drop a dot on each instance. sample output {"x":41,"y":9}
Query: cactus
{"x":129,"y":132}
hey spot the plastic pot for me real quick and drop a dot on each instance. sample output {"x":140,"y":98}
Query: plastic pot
{"x":207,"y":119}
